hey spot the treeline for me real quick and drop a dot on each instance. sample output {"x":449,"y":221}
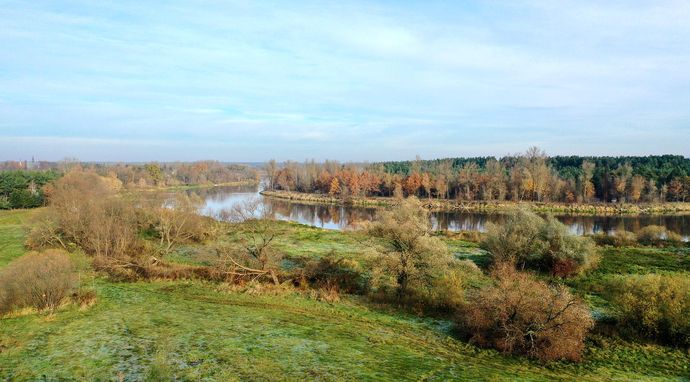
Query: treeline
{"x":177,"y":174}
{"x":532,"y":176}
{"x":24,"y":189}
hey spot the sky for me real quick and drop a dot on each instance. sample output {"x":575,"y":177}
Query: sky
{"x":347,"y":80}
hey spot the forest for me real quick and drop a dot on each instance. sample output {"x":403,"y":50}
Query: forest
{"x":532,"y":176}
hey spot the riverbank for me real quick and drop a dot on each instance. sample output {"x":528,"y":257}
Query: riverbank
{"x":475,"y":206}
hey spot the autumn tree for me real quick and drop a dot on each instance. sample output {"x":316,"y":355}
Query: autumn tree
{"x":586,"y":185}
{"x":426,"y":184}
{"x":467,"y":177}
{"x":412,"y":184}
{"x":334,"y":188}
{"x":635,"y":188}
{"x":621,"y":176}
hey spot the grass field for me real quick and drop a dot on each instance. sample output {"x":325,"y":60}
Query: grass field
{"x":12,"y":234}
{"x":202,"y":331}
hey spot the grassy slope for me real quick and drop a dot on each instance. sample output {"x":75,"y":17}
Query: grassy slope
{"x":12,"y":234}
{"x":195,"y":331}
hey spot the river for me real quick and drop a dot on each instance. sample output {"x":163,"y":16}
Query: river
{"x":219,"y":199}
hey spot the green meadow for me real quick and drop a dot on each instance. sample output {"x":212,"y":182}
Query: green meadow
{"x":194,"y":330}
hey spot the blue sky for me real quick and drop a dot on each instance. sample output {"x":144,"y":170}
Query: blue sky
{"x":248,"y":81}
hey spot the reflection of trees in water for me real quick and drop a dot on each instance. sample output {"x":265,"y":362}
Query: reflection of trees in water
{"x":321,"y":215}
{"x":221,"y":193}
{"x":332,"y":216}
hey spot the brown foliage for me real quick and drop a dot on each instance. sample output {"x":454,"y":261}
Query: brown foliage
{"x":41,"y":280}
{"x":522,"y":315}
{"x":85,"y":210}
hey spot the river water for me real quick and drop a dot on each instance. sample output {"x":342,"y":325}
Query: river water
{"x":219,"y":199}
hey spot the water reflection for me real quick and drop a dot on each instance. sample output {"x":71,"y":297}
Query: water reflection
{"x":219,"y":199}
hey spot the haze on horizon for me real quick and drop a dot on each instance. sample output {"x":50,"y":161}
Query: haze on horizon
{"x":248,"y":81}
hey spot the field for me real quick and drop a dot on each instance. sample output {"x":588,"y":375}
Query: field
{"x":192,"y":330}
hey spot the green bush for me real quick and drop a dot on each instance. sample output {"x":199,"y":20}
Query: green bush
{"x":654,"y":306}
{"x":620,"y":238}
{"x":527,"y":240}
{"x":344,"y":275}
{"x":658,"y":236}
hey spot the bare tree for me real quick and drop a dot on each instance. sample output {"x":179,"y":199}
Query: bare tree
{"x":177,"y":220}
{"x":271,"y":170}
{"x":253,"y":255}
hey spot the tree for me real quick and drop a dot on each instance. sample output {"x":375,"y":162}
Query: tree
{"x":253,"y":255}
{"x":177,"y":220}
{"x":537,"y":171}
{"x":412,"y":184}
{"x":635,"y":188}
{"x":467,"y":180}
{"x":495,"y":173}
{"x":675,"y":190}
{"x":334,"y":188}
{"x":285,"y":178}
{"x":441,"y":186}
{"x":587,"y":187}
{"x":271,"y":169}
{"x":620,"y":180}
{"x":155,"y":173}
{"x":409,"y":257}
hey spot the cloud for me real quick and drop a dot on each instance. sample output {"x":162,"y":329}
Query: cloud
{"x":309,"y":79}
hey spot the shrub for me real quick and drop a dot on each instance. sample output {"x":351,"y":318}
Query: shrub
{"x":519,"y":314}
{"x":41,"y":280}
{"x":527,"y":240}
{"x":657,"y":235}
{"x":517,"y":240}
{"x":409,"y":257}
{"x":85,"y":210}
{"x":331,"y":272}
{"x":620,"y":238}
{"x":654,"y":306}
{"x":447,"y":292}
{"x":651,"y":235}
{"x":565,"y":254}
